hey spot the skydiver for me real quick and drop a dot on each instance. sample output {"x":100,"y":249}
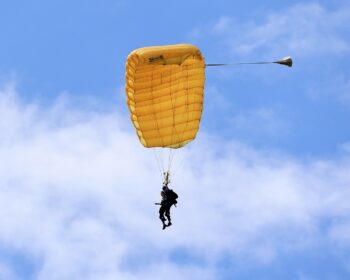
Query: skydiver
{"x":169,"y":198}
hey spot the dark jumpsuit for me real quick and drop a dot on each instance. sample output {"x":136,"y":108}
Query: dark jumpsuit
{"x":164,"y":208}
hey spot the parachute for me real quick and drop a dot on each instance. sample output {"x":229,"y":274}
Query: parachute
{"x":164,"y":89}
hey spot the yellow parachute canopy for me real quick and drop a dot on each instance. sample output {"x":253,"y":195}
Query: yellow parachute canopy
{"x":164,"y":89}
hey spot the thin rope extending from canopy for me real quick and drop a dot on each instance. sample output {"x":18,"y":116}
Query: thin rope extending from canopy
{"x":287,"y":61}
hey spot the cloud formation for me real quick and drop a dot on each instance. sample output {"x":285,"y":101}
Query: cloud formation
{"x":77,"y":193}
{"x":300,"y":30}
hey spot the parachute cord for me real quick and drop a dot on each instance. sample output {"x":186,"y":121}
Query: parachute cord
{"x":160,"y":168}
{"x":170,"y":156}
{"x":287,"y":61}
{"x":179,"y":166}
{"x":169,"y":159}
{"x":163,"y":158}
{"x":158,"y":165}
{"x":233,"y":64}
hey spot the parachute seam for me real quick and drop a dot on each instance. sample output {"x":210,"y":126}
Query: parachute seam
{"x":153,"y":109}
{"x":149,"y":137}
{"x":140,"y":106}
{"x":173,"y":110}
{"x":187,"y":115}
{"x":165,"y":110}
{"x":144,"y":90}
{"x":160,"y":118}
{"x":171,"y":155}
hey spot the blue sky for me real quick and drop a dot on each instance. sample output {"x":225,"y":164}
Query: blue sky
{"x":264,"y":189}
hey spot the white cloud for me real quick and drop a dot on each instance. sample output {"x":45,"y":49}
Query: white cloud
{"x":341,"y":233}
{"x":223,"y":24}
{"x":300,"y":30}
{"x":6,"y":273}
{"x":336,"y":88}
{"x":341,"y":90}
{"x":77,"y":193}
{"x":262,"y":121}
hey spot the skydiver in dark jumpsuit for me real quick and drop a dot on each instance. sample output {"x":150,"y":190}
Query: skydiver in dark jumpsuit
{"x":167,"y":201}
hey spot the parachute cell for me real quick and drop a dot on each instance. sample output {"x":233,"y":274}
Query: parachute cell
{"x":164,"y":89}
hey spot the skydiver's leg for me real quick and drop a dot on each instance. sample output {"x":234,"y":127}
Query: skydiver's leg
{"x":167,"y":214}
{"x":161,"y":215}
